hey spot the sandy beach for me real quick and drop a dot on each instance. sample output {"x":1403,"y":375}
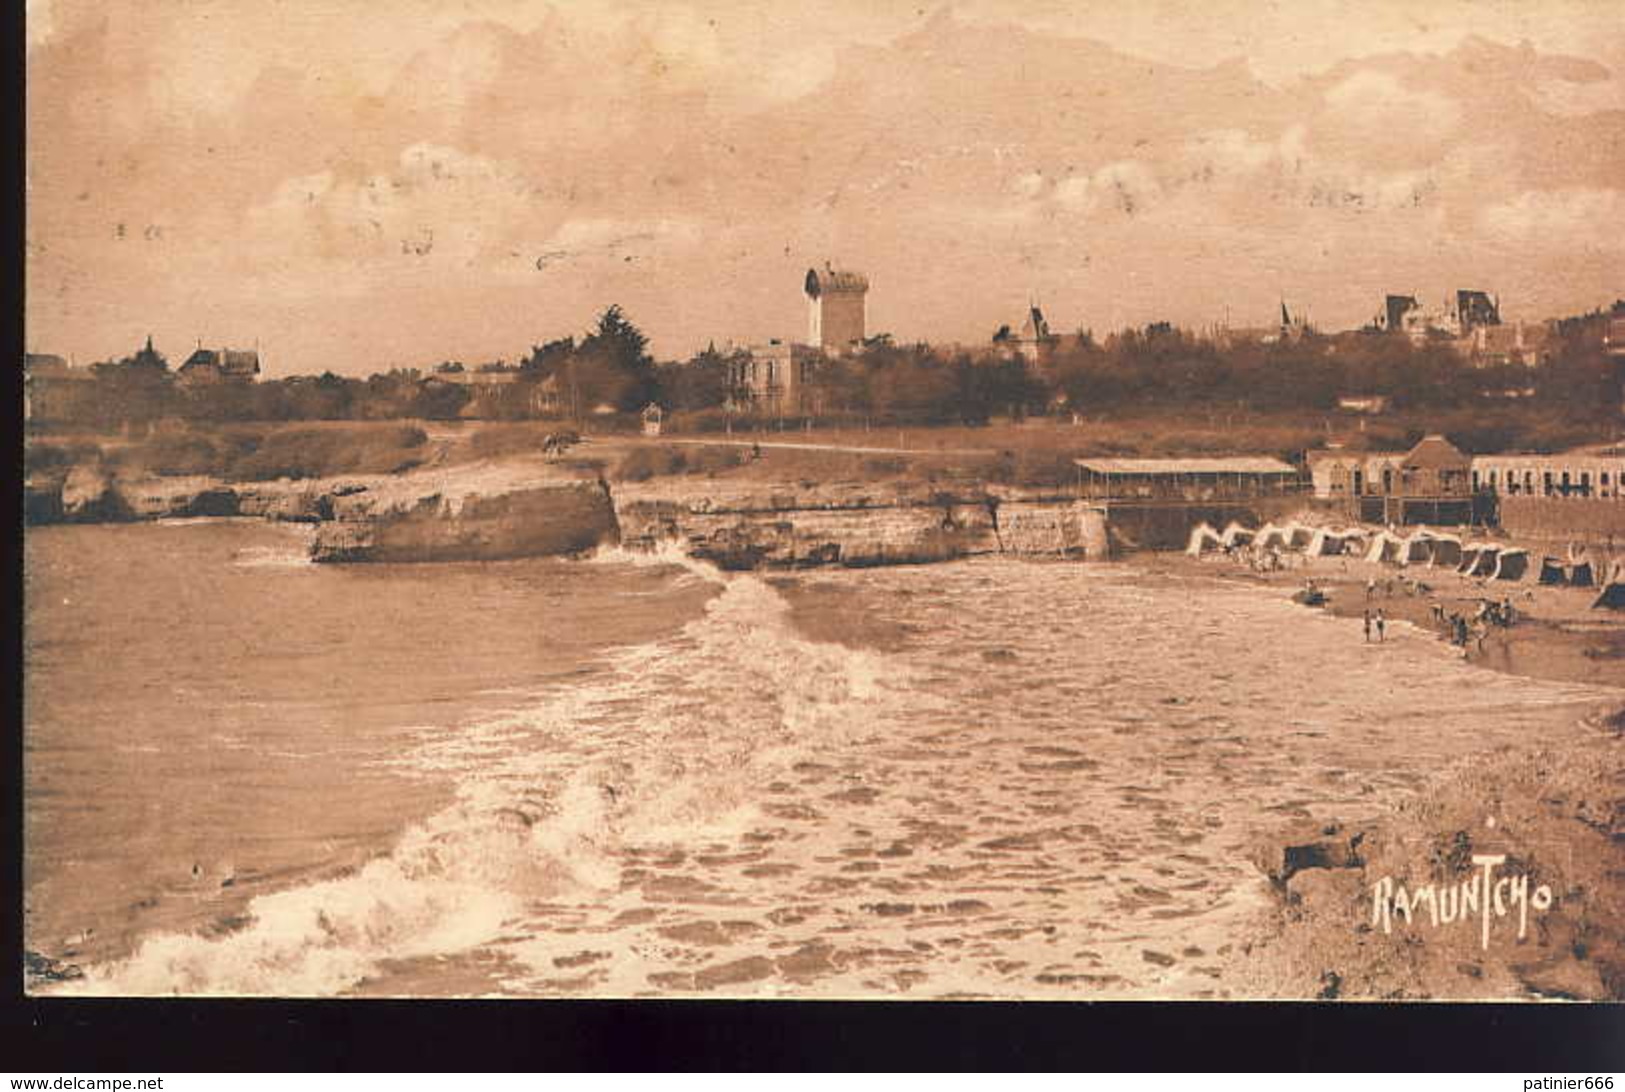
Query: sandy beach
{"x":1554,"y":810}
{"x":1558,"y":635}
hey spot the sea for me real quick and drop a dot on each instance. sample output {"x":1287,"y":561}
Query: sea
{"x":636,"y":776}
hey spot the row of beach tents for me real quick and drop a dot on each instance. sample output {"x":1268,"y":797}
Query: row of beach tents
{"x":1429,"y":548}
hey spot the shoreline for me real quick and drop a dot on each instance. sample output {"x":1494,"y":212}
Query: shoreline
{"x":1554,"y":809}
{"x":1307,"y":941}
{"x":1557,"y":636}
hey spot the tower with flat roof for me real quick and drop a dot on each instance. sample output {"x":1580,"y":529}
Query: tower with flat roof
{"x":836,"y":299}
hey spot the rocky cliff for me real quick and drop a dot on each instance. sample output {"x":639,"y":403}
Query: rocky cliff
{"x":517,"y":508}
{"x":855,"y":525}
{"x":547,"y":520}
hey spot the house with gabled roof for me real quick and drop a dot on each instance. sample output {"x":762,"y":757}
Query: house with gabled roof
{"x":208,"y":366}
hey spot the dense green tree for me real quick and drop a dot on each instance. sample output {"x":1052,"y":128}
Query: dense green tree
{"x":701,"y":382}
{"x":613,"y":364}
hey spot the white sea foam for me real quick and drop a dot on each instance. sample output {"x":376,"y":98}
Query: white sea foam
{"x":671,"y":742}
{"x":671,"y":552}
{"x":272,"y":557}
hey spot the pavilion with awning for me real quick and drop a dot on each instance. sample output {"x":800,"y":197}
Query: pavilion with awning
{"x":1185,"y":479}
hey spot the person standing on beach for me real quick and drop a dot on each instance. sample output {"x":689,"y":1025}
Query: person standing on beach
{"x":1368,"y":626}
{"x":1380,"y":624}
{"x":1370,"y":587}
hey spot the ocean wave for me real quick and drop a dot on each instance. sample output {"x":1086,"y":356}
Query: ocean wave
{"x":670,"y":553}
{"x":672,"y":742}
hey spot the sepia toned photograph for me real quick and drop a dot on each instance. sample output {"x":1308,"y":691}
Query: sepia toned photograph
{"x":1052,"y":500}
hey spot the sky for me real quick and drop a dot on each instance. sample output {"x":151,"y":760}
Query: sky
{"x":353,"y":185}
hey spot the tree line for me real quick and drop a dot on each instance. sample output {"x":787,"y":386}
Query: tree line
{"x":1157,"y":368}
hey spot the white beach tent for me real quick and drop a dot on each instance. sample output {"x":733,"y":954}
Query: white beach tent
{"x":1446,"y":549}
{"x":1583,"y":572}
{"x":1386,"y":547}
{"x":1551,"y":570}
{"x":1416,"y":550}
{"x":1271,"y":535}
{"x":1512,"y":563}
{"x":1328,"y":543}
{"x":1612,"y":595}
{"x":1204,"y":540}
{"x":1237,"y":535}
{"x":1355,"y":539}
{"x":1478,"y":558}
{"x":1299,"y":536}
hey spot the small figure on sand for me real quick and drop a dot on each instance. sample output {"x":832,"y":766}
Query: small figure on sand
{"x":755,"y":450}
{"x":1381,"y":623}
{"x":1368,"y":626}
{"x":1370,"y":587}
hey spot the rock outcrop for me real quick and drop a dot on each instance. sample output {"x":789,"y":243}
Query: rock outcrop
{"x":87,"y":496}
{"x":548,"y":520}
{"x":175,"y":498}
{"x":507,"y":509}
{"x":1402,"y":905}
{"x":855,"y":525}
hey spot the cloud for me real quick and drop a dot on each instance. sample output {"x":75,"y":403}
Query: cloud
{"x":1235,"y":151}
{"x":559,"y":159}
{"x":1376,"y":106}
{"x":1125,"y":187}
{"x":1571,"y":216}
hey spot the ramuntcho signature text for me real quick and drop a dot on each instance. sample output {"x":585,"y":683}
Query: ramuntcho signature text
{"x":1481,"y":899}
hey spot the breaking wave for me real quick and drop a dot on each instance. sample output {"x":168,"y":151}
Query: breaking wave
{"x":660,"y":744}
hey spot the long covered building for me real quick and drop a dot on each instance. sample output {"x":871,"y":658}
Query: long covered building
{"x":1595,"y":472}
{"x":1191,"y":479}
